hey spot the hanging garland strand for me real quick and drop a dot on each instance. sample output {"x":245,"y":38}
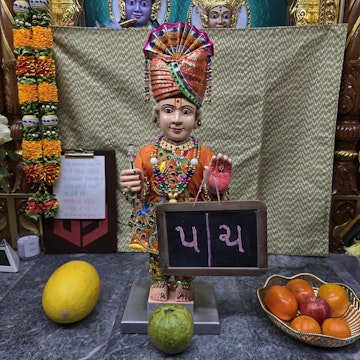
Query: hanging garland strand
{"x":38,"y":98}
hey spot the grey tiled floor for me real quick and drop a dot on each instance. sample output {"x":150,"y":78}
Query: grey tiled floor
{"x":245,"y":330}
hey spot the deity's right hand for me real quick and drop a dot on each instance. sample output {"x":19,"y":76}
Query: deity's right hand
{"x":131,"y":180}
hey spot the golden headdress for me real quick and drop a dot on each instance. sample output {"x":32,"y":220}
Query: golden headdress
{"x":179,"y":56}
{"x":209,"y":4}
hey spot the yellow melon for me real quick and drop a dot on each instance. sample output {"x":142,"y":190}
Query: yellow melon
{"x":71,"y":292}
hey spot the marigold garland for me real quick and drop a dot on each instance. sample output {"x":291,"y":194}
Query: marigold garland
{"x":42,"y":37}
{"x":51,"y":148}
{"x":22,"y":38}
{"x":27,"y":93}
{"x":38,"y":97}
{"x":51,"y":172}
{"x":34,"y":172}
{"x":25,"y":66}
{"x":45,"y":66}
{"x":47,"y":92}
{"x":32,"y":149}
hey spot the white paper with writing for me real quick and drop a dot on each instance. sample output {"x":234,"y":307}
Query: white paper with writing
{"x":80,"y":188}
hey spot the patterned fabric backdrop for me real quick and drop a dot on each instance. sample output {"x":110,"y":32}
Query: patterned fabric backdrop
{"x":273,"y":112}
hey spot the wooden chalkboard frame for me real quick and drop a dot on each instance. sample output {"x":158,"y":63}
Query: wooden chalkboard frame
{"x":199,"y":208}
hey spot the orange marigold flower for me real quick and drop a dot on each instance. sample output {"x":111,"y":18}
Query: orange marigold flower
{"x":22,"y":37}
{"x":32,"y":150}
{"x":34,"y":172}
{"x":51,"y":172}
{"x":27,"y":93}
{"x":45,"y":66}
{"x":47,"y":92}
{"x":42,"y":37}
{"x":51,"y":148}
{"x":25,"y":66}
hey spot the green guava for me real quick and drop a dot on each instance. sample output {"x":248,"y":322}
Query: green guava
{"x":170,"y":328}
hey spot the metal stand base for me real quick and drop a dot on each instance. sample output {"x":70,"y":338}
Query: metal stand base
{"x":136,"y":314}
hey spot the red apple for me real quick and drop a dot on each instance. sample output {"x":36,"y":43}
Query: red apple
{"x":315,"y":307}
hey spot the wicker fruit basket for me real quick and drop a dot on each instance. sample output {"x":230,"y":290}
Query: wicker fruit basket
{"x":352,"y":315}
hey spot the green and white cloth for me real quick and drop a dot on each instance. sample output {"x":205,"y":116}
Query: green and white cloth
{"x":273,"y":112}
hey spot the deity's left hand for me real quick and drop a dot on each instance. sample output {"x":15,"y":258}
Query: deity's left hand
{"x":218,"y":174}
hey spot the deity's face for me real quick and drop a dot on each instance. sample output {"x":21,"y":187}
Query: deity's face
{"x":177,"y":118}
{"x":139,"y":10}
{"x":219,"y":17}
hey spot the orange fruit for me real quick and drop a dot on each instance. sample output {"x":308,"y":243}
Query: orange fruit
{"x":306,"y":324}
{"x":281,"y":302}
{"x":300,"y":288}
{"x":336,"y":327}
{"x":336,"y":296}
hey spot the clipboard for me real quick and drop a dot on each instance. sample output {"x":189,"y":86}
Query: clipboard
{"x":81,"y":186}
{"x":86,"y":235}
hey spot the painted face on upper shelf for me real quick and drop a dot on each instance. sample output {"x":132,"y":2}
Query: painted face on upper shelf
{"x":139,"y":10}
{"x":219,"y":17}
{"x":176,"y":118}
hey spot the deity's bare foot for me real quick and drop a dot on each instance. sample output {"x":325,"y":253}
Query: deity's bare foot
{"x":184,"y":293}
{"x":159,"y":291}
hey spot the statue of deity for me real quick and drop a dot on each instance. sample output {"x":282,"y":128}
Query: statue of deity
{"x":138,"y":14}
{"x":220,"y":14}
{"x":175,"y":167}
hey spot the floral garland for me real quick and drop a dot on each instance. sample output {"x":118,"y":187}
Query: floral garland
{"x":38,"y":98}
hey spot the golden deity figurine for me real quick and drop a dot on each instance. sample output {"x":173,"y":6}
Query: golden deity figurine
{"x":65,"y":12}
{"x":219,"y":13}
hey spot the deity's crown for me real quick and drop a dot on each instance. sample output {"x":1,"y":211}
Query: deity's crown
{"x":209,"y":4}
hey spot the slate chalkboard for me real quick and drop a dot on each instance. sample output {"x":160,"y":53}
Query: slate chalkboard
{"x":212,"y":238}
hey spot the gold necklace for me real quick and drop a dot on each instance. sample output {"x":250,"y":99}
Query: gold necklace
{"x":168,"y":145}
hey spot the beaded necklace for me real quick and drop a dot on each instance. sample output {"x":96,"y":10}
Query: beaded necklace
{"x":177,"y":150}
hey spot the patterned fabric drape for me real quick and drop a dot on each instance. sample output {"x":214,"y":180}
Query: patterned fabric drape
{"x":273,"y":111}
